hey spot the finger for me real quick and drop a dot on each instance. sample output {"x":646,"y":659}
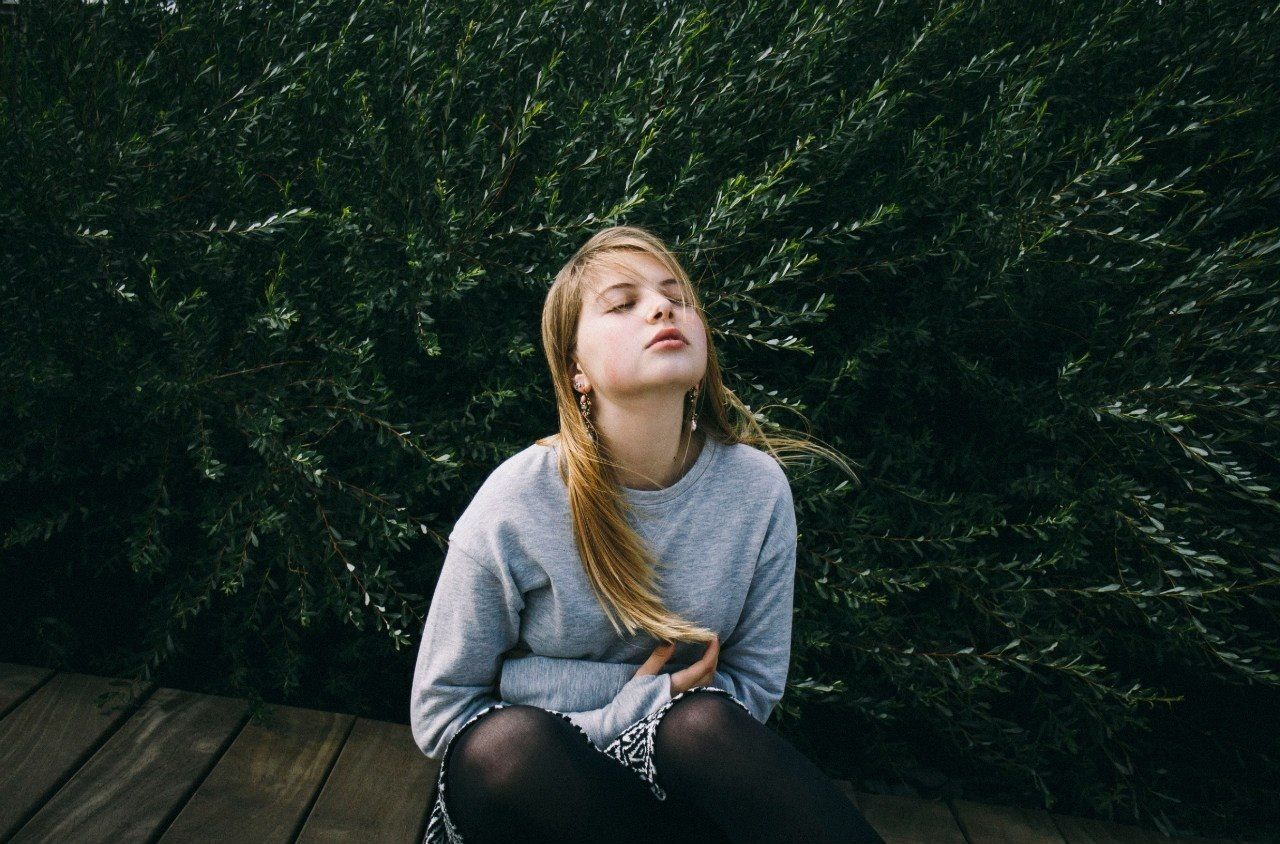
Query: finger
{"x":658,"y":659}
{"x":712,"y":652}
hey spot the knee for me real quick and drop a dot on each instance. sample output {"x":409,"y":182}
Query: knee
{"x":702,"y":721}
{"x":502,"y":749}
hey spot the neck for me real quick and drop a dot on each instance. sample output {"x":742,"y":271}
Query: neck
{"x":648,"y":438}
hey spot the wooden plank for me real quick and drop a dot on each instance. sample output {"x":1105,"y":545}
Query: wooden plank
{"x":49,"y":735}
{"x":263,"y":786}
{"x":985,"y":824}
{"x":381,"y":789}
{"x":909,"y":819}
{"x":1088,"y":830}
{"x":1091,"y":831}
{"x":18,"y":681}
{"x":139,"y":778}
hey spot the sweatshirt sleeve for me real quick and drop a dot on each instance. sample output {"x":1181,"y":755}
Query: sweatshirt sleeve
{"x":473,"y":620}
{"x":756,"y":657}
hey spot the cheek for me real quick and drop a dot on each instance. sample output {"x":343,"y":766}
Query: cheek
{"x":613,"y":370}
{"x":700,"y":342}
{"x":596,"y":345}
{"x":697,"y":336}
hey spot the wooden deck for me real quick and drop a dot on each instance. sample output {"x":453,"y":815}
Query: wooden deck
{"x":171,"y":765}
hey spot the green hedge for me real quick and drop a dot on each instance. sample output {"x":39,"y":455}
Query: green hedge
{"x":271,"y":284}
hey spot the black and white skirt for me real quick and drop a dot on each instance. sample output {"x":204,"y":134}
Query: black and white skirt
{"x":633,"y":749}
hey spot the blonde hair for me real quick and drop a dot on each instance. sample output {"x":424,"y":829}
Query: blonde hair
{"x":619,"y":565}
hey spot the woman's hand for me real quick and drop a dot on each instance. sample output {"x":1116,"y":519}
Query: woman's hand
{"x":701,"y":673}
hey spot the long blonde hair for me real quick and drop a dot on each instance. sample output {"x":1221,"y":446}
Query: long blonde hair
{"x":618,"y":563}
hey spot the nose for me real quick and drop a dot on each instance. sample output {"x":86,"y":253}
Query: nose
{"x":665,"y":307}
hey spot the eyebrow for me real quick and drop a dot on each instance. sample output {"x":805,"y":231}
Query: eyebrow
{"x":629,"y":284}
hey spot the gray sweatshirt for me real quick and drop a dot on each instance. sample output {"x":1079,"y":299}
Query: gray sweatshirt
{"x":513,"y":617}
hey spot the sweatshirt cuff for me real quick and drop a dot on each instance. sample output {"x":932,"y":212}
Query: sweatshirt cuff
{"x":641,"y":696}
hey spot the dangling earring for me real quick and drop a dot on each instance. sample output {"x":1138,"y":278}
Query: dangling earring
{"x":584,"y":405}
{"x":693,"y":409}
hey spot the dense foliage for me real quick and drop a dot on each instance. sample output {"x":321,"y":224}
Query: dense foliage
{"x":270,"y":284}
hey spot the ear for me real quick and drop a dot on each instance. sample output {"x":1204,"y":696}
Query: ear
{"x":577,"y":375}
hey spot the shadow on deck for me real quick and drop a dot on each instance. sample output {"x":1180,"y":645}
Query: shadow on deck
{"x":171,"y":765}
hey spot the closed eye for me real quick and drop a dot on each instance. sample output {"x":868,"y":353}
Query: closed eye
{"x":680,"y":302}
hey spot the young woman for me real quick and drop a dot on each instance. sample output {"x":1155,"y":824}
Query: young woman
{"x":593,"y":579}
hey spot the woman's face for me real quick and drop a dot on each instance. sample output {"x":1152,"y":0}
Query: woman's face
{"x":619,"y":319}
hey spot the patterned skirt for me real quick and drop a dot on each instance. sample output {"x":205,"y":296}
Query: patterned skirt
{"x":633,"y":749}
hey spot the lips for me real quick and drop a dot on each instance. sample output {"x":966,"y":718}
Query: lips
{"x":667,"y":334}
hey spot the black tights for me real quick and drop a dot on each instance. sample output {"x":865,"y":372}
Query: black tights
{"x":521,"y":773}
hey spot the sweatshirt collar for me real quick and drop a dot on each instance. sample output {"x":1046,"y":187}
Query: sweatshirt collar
{"x":647,"y":498}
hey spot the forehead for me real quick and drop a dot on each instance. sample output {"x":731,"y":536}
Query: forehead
{"x":626,"y":271}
